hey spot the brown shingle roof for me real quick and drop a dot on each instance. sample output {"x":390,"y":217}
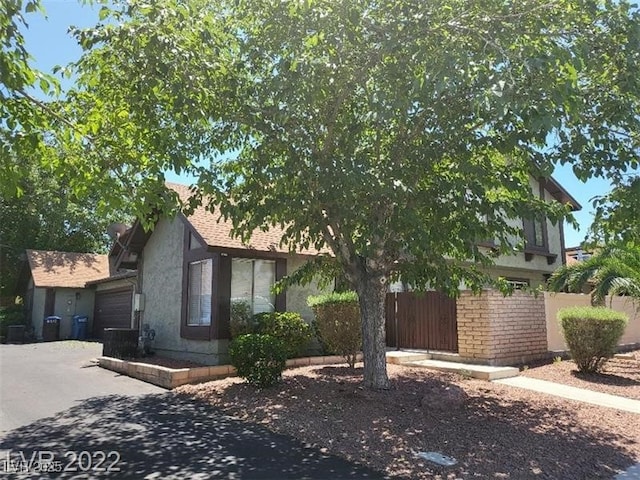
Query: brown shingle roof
{"x":217,"y":231}
{"x":66,"y":269}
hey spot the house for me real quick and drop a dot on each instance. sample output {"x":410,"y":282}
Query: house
{"x":57,"y":286}
{"x":576,"y":255}
{"x":489,"y":328}
{"x":190,"y":269}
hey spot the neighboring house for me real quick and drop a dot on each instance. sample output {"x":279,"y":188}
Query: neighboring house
{"x":544,"y":248}
{"x":57,"y":286}
{"x":489,"y":328}
{"x":576,"y":255}
{"x":190,"y":269}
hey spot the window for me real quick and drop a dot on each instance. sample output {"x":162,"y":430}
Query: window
{"x":200,"y":293}
{"x":535,"y":230}
{"x":251,"y":281}
{"x":517,"y":283}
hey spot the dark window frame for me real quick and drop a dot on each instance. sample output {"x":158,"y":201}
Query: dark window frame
{"x":197,"y":332}
{"x":529,"y":231}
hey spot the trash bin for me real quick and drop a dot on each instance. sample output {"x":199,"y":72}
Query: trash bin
{"x":79,"y":327}
{"x":51,"y":329}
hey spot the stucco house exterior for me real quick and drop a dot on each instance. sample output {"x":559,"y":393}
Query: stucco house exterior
{"x":57,"y":286}
{"x":190,"y":269}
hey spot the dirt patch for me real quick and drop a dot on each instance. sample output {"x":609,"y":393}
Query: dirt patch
{"x":619,"y":376}
{"x":165,"y":362}
{"x":493,"y":430}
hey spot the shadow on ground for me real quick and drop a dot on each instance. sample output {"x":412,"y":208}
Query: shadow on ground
{"x":169,"y":436}
{"x":494,"y":431}
{"x":606,"y":379}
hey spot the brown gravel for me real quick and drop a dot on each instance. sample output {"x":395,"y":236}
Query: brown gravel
{"x":619,"y":377}
{"x":493,"y":430}
{"x":165,"y":362}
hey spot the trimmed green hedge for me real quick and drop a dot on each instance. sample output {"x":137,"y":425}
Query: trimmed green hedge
{"x":288,"y":327}
{"x":592,"y":334}
{"x":338,"y":323}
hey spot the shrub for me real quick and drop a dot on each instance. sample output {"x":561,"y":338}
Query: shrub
{"x":289,"y":327}
{"x":259,"y":359}
{"x":241,"y":318}
{"x":11,"y":316}
{"x":592,"y":334}
{"x":339,"y":323}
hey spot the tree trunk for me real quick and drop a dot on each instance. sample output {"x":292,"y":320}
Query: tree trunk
{"x":372,"y":294}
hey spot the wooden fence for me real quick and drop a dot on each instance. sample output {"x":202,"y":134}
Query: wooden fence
{"x":421,"y":321}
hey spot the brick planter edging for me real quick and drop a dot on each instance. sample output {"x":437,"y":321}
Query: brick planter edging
{"x":174,"y":377}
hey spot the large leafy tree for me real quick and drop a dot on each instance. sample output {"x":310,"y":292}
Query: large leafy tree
{"x":616,"y":217}
{"x":396,"y":133}
{"x":47,"y":215}
{"x":614,"y":270}
{"x":25,"y":119}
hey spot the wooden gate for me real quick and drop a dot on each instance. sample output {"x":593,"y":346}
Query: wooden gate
{"x":422,"y":321}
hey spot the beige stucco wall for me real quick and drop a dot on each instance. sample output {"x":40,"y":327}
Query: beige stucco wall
{"x":556,"y":301}
{"x":67,"y":304}
{"x":297,"y":295}
{"x":70,"y":302}
{"x":37,"y":311}
{"x":162,"y":286}
{"x":538,"y":264}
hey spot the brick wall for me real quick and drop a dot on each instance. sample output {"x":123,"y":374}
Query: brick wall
{"x":501,"y":330}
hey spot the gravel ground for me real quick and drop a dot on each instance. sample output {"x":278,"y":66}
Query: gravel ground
{"x":493,"y":430}
{"x":619,"y":377}
{"x":165,"y":362}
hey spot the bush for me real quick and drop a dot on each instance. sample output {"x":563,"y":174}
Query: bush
{"x":592,"y":334}
{"x":241,"y":318}
{"x":339,"y":324}
{"x":288,"y":327}
{"x":259,"y":359}
{"x":11,"y":316}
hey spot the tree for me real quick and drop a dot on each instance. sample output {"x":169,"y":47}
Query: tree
{"x":48,"y":216}
{"x":24,"y":119}
{"x":397,"y":133}
{"x":613,"y":271}
{"x":616,"y":218}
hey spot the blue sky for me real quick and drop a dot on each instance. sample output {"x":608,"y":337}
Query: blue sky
{"x":50,"y":45}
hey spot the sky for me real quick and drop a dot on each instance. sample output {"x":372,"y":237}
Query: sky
{"x":49,"y":43}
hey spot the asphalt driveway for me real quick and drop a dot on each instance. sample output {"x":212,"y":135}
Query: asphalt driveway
{"x":56,"y":407}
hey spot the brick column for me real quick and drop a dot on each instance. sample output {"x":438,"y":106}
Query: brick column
{"x":501,"y":330}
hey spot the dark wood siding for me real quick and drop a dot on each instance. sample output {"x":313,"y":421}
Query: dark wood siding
{"x":112,"y":310}
{"x":426,"y":321}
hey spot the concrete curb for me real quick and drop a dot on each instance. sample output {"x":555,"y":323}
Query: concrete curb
{"x":174,"y":377}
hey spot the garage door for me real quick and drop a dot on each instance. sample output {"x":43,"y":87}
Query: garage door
{"x":112,"y":310}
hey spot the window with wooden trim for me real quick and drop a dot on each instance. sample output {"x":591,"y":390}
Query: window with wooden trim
{"x":535,"y":230}
{"x":251,"y":281}
{"x":199,"y":307}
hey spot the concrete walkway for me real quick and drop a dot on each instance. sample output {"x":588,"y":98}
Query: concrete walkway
{"x":573,"y":393}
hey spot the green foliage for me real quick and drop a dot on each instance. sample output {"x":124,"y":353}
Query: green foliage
{"x":613,"y":270}
{"x":348,"y":297}
{"x":339,"y":324}
{"x":592,"y":334}
{"x":11,"y":316}
{"x":353,"y":125}
{"x":241,"y":318}
{"x":288,"y":327}
{"x":616,"y":218}
{"x":260,"y":359}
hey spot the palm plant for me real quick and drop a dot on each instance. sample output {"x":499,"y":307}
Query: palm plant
{"x":615,"y":270}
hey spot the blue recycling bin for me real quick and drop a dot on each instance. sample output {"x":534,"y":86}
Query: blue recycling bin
{"x":79,"y":327}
